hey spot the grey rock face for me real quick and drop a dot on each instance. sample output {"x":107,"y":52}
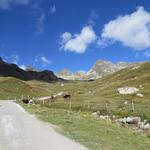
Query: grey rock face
{"x":100,"y":69}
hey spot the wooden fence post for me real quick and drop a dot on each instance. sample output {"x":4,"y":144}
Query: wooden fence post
{"x":133,"y":108}
{"x":106,"y":106}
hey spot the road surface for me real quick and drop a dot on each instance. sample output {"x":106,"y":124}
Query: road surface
{"x":20,"y":130}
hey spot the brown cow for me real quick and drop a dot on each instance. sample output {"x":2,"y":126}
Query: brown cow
{"x":67,"y":96}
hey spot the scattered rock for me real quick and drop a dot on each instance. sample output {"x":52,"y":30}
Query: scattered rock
{"x":140,"y":95}
{"x":144,"y":125}
{"x":95,"y":114}
{"x":129,"y":120}
{"x":105,"y":117}
{"x":126,"y":102}
{"x":128,"y":90}
{"x":121,"y":120}
{"x":134,"y":122}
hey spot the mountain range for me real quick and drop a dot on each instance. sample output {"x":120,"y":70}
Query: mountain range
{"x":100,"y":69}
{"x":12,"y":70}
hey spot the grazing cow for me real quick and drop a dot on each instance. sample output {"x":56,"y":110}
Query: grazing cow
{"x":25,"y":101}
{"x":67,"y":96}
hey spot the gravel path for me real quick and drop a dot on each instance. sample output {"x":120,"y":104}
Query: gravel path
{"x":20,"y":130}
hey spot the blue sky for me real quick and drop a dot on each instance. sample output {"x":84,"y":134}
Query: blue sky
{"x":74,"y":34}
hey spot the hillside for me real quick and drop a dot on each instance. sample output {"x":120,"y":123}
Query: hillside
{"x":11,"y":87}
{"x":12,"y":70}
{"x":136,"y":76}
{"x":93,"y":95}
{"x":102,"y":94}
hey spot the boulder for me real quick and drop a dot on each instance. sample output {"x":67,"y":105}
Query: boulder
{"x":121,"y":120}
{"x":129,"y":120}
{"x":133,"y":120}
{"x":128,"y":90}
{"x":95,"y":114}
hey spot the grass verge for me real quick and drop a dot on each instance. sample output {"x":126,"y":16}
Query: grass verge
{"x":93,"y":133}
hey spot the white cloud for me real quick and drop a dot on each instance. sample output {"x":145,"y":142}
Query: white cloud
{"x":93,"y":17}
{"x":43,"y":60}
{"x":131,"y":30}
{"x":13,"y":58}
{"x":40,"y":16}
{"x":147,"y":54}
{"x":40,"y":23}
{"x":23,"y":67}
{"x":7,"y":4}
{"x":53,"y":9}
{"x":79,"y":42}
{"x":66,"y":36}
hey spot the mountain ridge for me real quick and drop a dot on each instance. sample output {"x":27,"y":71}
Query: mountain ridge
{"x":100,"y":69}
{"x":12,"y":70}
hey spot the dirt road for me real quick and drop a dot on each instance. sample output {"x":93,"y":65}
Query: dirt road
{"x":20,"y":130}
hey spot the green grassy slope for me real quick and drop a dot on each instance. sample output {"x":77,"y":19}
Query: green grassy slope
{"x":102,"y":94}
{"x":12,"y":87}
{"x":99,"y":95}
{"x":105,"y":90}
{"x":94,"y":133}
{"x":136,"y":76}
{"x":91,"y":95}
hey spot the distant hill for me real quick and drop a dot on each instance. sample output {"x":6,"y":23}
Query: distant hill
{"x":12,"y":70}
{"x":100,"y":69}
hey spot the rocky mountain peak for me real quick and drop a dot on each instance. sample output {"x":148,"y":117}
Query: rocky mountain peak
{"x":100,"y":68}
